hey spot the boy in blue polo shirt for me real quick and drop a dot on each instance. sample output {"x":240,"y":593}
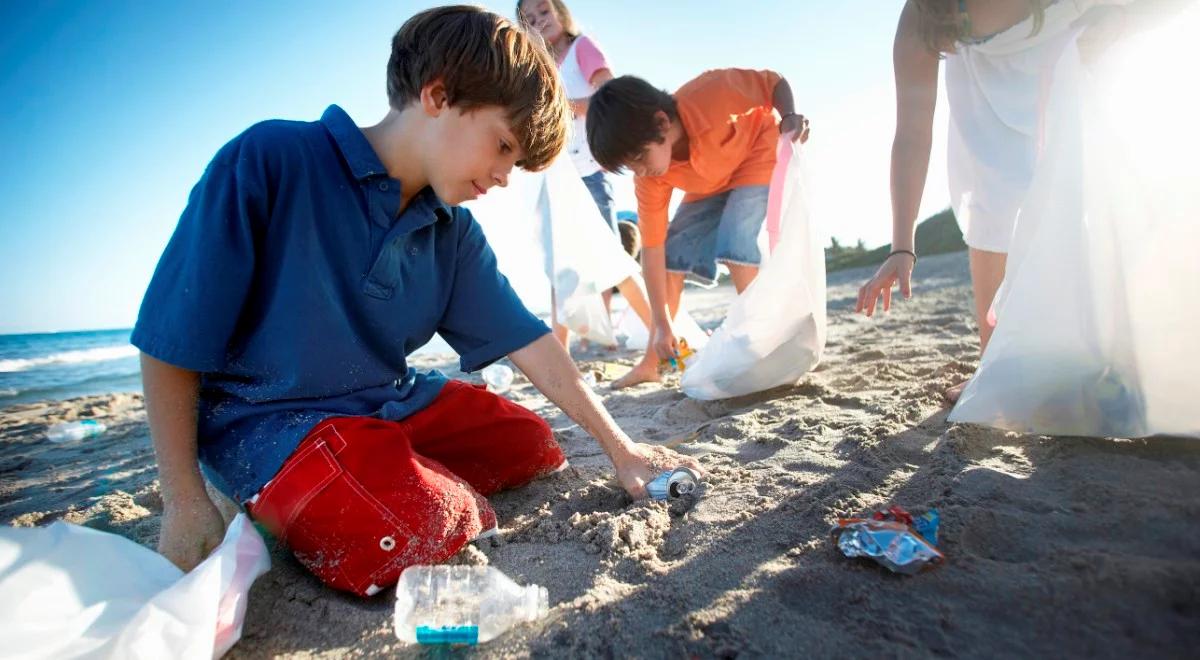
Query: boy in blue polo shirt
{"x":311,"y":259}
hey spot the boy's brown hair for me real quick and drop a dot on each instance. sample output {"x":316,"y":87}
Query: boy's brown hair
{"x":631,"y":237}
{"x":621,"y":120}
{"x":483,"y":59}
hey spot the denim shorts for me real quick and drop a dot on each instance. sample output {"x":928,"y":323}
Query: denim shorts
{"x":601,"y":189}
{"x":723,"y":227}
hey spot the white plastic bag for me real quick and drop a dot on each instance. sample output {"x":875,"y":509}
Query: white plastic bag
{"x":1095,"y":331}
{"x":556,"y":218}
{"x":637,"y":336}
{"x":68,"y":591}
{"x":774,"y":332}
{"x":586,"y":256}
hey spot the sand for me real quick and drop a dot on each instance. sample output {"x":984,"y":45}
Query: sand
{"x":1055,"y":546}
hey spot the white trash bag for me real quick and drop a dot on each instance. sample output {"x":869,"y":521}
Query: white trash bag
{"x":586,"y":258}
{"x":68,"y":591}
{"x":774,"y":332}
{"x":557,"y":220}
{"x":637,"y":336}
{"x":1095,"y":329}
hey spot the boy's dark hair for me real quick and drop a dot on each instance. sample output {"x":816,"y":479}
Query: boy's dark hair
{"x":483,"y":59}
{"x":631,"y":237}
{"x":620,"y":120}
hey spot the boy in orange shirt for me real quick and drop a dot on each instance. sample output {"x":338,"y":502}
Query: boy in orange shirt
{"x":715,"y":140}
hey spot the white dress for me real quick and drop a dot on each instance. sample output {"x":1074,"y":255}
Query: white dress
{"x":578,"y":87}
{"x":995,"y":90}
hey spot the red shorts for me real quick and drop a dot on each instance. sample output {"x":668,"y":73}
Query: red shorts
{"x":361,"y":498}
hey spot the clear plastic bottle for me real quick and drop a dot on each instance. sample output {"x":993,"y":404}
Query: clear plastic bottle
{"x":462,"y":604}
{"x":72,"y":431}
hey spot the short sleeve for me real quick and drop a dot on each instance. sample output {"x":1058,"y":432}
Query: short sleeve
{"x":590,"y":58}
{"x":757,"y":87}
{"x":654,"y":200}
{"x":202,"y":280}
{"x":484,"y":319}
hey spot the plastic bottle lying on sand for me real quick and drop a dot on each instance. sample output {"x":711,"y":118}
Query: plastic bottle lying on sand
{"x":498,"y":377}
{"x":72,"y":431}
{"x":462,"y":604}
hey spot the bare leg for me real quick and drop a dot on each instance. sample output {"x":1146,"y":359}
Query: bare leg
{"x":742,"y":275}
{"x":674,"y":292}
{"x":631,"y":289}
{"x":561,"y":332}
{"x":646,"y":371}
{"x":606,"y":298}
{"x":987,"y":272}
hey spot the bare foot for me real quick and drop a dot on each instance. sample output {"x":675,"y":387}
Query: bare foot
{"x":952,"y":393}
{"x":646,"y":371}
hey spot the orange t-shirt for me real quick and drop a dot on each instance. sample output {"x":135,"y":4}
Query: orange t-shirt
{"x":732,"y":130}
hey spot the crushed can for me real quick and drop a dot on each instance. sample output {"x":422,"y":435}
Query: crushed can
{"x":893,"y":538}
{"x":673,"y":483}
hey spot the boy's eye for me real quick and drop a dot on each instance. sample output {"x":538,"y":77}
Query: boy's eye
{"x":504,"y":148}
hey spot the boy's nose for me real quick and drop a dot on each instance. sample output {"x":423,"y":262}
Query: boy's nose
{"x":501,"y":179}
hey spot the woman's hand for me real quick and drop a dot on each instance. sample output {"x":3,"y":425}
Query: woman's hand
{"x":897,"y":268}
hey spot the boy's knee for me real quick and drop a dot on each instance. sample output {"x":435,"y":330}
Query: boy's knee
{"x":537,"y":427}
{"x":542,"y":454}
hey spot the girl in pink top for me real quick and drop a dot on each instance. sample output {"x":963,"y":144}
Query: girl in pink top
{"x":583,"y":69}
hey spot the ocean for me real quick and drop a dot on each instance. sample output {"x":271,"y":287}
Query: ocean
{"x":63,"y":365}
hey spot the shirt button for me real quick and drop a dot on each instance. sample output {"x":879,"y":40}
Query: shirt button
{"x":383,"y":185}
{"x":413,"y":251}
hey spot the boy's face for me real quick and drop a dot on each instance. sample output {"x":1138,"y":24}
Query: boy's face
{"x":540,"y":15}
{"x":652,"y":160}
{"x":469,"y":152}
{"x":654,"y":157}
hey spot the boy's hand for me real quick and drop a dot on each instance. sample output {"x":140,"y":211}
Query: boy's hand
{"x":666,"y":344}
{"x":639,"y":464}
{"x":191,"y":529}
{"x":897,"y":267}
{"x":797,"y":125}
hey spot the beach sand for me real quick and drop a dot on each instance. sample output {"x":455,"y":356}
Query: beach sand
{"x":1055,"y":546}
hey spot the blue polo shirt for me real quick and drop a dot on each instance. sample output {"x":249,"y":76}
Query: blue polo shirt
{"x":295,"y":286}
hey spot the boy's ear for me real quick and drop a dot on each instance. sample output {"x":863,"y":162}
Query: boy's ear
{"x":433,"y":98}
{"x":663,"y":122}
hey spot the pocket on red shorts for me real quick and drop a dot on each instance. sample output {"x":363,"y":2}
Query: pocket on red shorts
{"x":332,"y":524}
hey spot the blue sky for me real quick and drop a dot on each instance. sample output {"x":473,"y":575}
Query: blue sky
{"x":112,"y":110}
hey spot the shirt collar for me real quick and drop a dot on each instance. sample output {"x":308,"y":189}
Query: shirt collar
{"x":695,"y":124}
{"x":442,"y":211}
{"x":359,"y":155}
{"x":364,"y":162}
